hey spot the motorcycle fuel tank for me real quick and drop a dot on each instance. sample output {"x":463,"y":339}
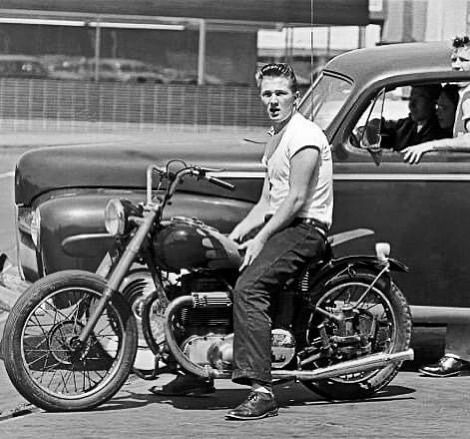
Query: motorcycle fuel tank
{"x":187,"y":243}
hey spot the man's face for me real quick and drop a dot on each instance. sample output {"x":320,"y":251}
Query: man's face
{"x":278,"y":98}
{"x":421,"y":106}
{"x":461,"y":59}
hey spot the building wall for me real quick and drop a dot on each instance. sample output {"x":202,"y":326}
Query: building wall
{"x":425,"y":20}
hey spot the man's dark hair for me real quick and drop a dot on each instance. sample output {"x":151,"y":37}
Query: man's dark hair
{"x":281,"y":70}
{"x":458,"y":42}
{"x":452,"y":93}
{"x":431,"y":90}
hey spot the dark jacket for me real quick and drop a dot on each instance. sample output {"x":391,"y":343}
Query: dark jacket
{"x":398,"y":134}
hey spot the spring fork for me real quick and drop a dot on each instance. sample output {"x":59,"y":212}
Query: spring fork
{"x":118,"y":274}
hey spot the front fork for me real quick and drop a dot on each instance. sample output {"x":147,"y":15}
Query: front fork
{"x":117,"y":275}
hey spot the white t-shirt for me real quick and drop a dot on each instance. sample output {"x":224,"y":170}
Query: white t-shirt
{"x":297,"y":134}
{"x":459,"y":124}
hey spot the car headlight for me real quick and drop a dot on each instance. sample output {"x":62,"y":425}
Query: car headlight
{"x":35,"y":226}
{"x":115,"y":217}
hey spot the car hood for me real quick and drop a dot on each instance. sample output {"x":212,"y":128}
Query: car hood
{"x":122,"y":164}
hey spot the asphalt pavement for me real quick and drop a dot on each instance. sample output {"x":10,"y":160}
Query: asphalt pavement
{"x":412,"y":406}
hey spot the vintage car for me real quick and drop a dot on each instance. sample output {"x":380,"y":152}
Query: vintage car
{"x":421,"y":210}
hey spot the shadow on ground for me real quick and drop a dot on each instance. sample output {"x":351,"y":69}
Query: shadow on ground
{"x":288,"y":395}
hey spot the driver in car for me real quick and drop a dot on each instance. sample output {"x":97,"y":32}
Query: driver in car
{"x":419,"y":126}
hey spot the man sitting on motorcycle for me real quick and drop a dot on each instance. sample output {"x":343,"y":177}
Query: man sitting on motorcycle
{"x":294,"y":213}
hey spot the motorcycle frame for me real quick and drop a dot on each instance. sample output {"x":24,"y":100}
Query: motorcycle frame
{"x":151,"y":211}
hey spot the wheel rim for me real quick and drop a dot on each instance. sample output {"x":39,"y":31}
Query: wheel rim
{"x":50,"y":331}
{"x":373,"y":304}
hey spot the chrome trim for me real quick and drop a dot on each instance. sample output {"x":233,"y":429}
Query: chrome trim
{"x":358,"y":176}
{"x":439,"y":314}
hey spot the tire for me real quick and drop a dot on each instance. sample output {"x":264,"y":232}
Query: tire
{"x":395,"y":337}
{"x":38,"y":358}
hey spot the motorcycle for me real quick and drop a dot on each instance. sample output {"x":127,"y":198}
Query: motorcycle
{"x":71,"y":339}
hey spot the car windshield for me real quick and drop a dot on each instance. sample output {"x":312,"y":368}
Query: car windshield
{"x":325,"y":99}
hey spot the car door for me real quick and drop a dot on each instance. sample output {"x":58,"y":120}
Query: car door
{"x":421,"y":209}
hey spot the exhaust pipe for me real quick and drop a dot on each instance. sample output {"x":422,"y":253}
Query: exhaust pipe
{"x":370,"y":362}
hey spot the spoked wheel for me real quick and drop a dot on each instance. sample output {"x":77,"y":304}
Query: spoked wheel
{"x":381,"y":324}
{"x":44,"y":358}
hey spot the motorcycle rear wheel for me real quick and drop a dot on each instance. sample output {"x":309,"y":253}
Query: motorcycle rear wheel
{"x":397,"y":312}
{"x":38,"y":353}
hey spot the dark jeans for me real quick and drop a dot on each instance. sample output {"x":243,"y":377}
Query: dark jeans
{"x":282,"y":258}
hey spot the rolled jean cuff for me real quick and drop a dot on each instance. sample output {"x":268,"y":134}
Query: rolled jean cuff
{"x":247,"y":376}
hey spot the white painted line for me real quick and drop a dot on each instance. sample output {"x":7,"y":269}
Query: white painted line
{"x":7,"y":174}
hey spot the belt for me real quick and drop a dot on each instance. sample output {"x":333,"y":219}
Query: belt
{"x":320,"y":227}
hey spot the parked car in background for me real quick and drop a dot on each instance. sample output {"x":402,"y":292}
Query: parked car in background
{"x":123,"y":70}
{"x":22,"y":66}
{"x":61,"y":193}
{"x":177,"y":76}
{"x":65,"y":67}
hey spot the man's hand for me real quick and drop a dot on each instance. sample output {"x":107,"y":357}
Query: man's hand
{"x":252,"y":249}
{"x":237,"y":234}
{"x":413,"y":154}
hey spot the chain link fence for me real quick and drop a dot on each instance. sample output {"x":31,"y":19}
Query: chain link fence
{"x":76,"y":105}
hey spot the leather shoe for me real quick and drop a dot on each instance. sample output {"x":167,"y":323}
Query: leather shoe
{"x":447,"y":366}
{"x":258,"y":405}
{"x":186,"y":385}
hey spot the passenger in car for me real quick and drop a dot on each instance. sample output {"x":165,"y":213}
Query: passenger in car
{"x":456,"y":359}
{"x":446,"y":108}
{"x":419,"y":126}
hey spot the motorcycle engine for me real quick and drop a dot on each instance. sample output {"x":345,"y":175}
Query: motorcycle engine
{"x":206,"y":332}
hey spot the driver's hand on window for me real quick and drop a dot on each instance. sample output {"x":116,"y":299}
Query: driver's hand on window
{"x":413,"y":154}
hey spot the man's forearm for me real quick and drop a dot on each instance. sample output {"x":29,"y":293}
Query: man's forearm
{"x":456,"y":144}
{"x":255,"y":217}
{"x":287,"y":212}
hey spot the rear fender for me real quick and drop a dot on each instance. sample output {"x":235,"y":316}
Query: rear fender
{"x":336,"y":266}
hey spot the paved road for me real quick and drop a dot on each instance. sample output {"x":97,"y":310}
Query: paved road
{"x":411,"y":407}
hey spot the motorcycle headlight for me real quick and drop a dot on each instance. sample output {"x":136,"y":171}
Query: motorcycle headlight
{"x":35,"y":226}
{"x":115,"y":217}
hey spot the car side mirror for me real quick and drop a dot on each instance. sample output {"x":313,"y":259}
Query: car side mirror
{"x":371,"y":140}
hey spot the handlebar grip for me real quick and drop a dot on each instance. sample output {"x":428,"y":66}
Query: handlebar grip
{"x":221,"y":183}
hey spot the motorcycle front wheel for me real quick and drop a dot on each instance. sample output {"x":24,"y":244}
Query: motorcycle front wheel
{"x":381,"y":309}
{"x":40,"y":351}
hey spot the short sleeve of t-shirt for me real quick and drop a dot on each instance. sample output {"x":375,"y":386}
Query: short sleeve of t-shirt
{"x":303,"y":137}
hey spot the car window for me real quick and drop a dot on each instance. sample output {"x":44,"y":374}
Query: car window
{"x":390,"y":123}
{"x":326,"y":97}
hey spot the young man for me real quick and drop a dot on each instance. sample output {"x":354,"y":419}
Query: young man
{"x":295,"y":213}
{"x":456,"y":359}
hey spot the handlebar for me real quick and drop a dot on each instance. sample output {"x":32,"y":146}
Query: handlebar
{"x":175,"y":178}
{"x":221,"y":183}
